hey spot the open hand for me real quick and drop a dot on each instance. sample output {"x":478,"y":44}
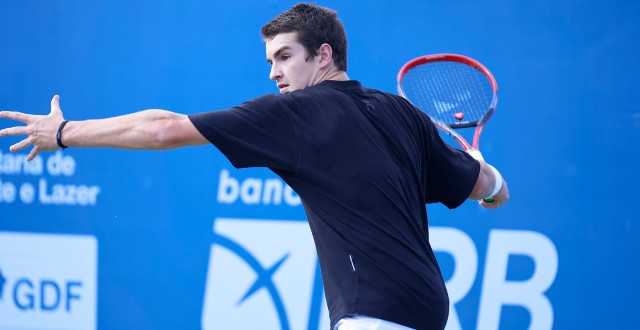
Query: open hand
{"x":40,"y":130}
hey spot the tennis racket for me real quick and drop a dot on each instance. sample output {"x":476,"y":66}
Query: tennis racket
{"x":455,"y":91}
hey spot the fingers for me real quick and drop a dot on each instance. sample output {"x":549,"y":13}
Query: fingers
{"x":28,"y":119}
{"x":486,"y":205}
{"x":55,"y":104}
{"x":18,"y":130}
{"x":493,"y":205}
{"x":39,"y":129}
{"x":18,"y":116}
{"x":20,"y":145}
{"x":34,"y":152}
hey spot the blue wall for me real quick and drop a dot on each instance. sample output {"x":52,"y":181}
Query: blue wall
{"x":160,"y":236}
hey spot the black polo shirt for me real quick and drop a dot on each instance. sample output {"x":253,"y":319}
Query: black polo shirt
{"x":364,"y":163}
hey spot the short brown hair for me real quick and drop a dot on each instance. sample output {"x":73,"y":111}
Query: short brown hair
{"x":314,"y":26}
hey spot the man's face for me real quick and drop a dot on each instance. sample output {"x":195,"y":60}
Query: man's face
{"x":292,"y":67}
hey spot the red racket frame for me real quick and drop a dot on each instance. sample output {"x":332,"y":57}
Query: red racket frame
{"x":448,"y":127}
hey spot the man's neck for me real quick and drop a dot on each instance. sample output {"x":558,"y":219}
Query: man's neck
{"x":338,"y":75}
{"x":331,"y":73}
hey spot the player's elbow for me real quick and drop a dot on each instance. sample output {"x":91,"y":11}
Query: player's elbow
{"x":174,"y":131}
{"x":162,"y":140}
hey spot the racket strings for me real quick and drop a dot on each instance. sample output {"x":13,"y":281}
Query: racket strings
{"x":451,"y":92}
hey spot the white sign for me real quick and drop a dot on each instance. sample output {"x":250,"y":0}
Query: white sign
{"x":47,"y":281}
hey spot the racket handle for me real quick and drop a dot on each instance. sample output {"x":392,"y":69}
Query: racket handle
{"x":489,"y":200}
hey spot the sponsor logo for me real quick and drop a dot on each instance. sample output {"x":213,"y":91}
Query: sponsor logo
{"x":498,"y":289}
{"x":47,"y":281}
{"x":263,"y":272}
{"x":2,"y":283}
{"x":255,"y":191}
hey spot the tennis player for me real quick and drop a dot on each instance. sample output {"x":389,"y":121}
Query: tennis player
{"x":364,"y":163}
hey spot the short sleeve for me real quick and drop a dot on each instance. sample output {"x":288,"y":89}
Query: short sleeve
{"x":258,"y":133}
{"x":452,"y":173}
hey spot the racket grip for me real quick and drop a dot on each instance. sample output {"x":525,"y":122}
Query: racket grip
{"x":489,"y":200}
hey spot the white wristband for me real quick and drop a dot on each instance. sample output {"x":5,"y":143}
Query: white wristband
{"x":498,"y":184}
{"x":475,"y":153}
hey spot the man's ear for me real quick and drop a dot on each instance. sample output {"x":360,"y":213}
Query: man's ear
{"x":326,"y":55}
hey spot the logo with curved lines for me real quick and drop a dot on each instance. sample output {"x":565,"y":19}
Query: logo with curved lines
{"x":2,"y":282}
{"x":263,"y":274}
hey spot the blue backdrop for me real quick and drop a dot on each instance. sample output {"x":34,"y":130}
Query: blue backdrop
{"x":180,"y":239}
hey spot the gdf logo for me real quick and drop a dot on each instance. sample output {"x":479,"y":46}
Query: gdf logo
{"x":46,"y":295}
{"x":47,"y":281}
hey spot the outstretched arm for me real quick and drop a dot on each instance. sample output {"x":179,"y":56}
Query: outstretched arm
{"x":149,"y":129}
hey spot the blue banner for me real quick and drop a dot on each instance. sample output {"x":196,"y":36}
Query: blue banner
{"x":179,"y":239}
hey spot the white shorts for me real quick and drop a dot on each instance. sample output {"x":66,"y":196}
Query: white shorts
{"x":361,"y":322}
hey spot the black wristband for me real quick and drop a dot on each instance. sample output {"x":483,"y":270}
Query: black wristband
{"x":59,"y":135}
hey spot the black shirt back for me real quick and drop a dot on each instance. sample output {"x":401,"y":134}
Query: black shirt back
{"x":364,"y":163}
